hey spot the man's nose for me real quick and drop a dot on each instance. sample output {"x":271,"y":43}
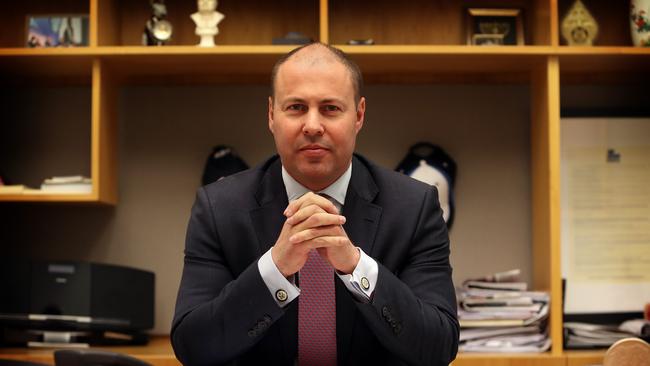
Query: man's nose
{"x":313,"y":125}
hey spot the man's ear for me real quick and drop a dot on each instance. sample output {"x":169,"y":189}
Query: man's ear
{"x":361,"y":114}
{"x":271,"y":114}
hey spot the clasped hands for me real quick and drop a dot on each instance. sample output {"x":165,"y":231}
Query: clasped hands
{"x":313,"y":222}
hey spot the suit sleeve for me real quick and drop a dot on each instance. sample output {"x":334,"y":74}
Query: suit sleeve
{"x":413,"y":311}
{"x":218,"y":317}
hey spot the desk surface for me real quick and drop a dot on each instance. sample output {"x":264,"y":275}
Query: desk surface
{"x":158,"y":352}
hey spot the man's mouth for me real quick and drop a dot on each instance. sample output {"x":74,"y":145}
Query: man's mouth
{"x":314,"y":150}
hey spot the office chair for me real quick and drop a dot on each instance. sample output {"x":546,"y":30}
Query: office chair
{"x":628,"y":352}
{"x":74,"y":357}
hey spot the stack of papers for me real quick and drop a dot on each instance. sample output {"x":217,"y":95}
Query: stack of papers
{"x":68,"y":184}
{"x":12,"y":189}
{"x":497,"y":313}
{"x":586,"y":335}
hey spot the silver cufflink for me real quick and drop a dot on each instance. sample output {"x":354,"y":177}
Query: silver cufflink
{"x":365,"y":283}
{"x":281,"y":295}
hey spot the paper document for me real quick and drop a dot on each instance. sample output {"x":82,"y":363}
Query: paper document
{"x":605,"y":208}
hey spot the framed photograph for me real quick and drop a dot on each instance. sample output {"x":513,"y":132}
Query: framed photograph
{"x":494,"y":27}
{"x":60,"y":30}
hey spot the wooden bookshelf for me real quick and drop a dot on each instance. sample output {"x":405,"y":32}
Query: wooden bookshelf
{"x":417,"y":42}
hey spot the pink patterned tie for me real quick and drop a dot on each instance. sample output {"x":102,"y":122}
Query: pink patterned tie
{"x":316,"y":313}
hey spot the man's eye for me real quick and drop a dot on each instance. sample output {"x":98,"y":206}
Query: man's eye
{"x":331,"y":108}
{"x":297,"y":108}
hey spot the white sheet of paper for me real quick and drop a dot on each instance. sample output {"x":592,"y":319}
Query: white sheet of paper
{"x":605,"y":210}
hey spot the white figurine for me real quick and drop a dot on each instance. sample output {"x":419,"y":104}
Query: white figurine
{"x":206,"y":20}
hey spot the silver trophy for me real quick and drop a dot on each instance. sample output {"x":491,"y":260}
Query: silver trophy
{"x":158,"y":30}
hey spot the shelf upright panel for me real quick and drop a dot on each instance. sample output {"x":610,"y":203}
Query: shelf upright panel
{"x":93,"y":18}
{"x":324,"y":21}
{"x":545,"y":155}
{"x":555,"y":21}
{"x":104,"y":23}
{"x":104,"y":134}
{"x":546,"y":20}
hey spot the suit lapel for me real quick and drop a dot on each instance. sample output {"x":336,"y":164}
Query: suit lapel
{"x":271,"y":196}
{"x":362,"y":216}
{"x":362,"y":220}
{"x":267,"y":220}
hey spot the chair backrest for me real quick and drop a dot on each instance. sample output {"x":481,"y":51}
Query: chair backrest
{"x":90,"y":357}
{"x":628,"y":352}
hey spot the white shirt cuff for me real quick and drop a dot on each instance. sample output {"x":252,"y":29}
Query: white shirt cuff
{"x":361,"y":283}
{"x":282,"y":290}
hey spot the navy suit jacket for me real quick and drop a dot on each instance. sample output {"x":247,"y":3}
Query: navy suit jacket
{"x":225,"y":314}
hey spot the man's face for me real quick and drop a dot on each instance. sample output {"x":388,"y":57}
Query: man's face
{"x":313,"y":117}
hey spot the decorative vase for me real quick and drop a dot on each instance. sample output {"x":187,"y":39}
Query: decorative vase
{"x":640,"y":22}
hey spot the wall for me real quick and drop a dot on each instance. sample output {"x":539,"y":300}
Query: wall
{"x":166,"y":134}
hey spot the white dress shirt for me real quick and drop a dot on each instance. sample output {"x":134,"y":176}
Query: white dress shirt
{"x":361,"y":283}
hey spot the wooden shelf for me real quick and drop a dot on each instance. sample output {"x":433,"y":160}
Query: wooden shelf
{"x":584,"y":358}
{"x":252,"y":63}
{"x":91,"y":124}
{"x":40,"y":197}
{"x":508,"y":359}
{"x":252,"y":49}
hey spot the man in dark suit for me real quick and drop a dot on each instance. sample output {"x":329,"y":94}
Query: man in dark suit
{"x":317,"y":256}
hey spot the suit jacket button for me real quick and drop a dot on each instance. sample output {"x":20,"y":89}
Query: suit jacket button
{"x":365,"y":283}
{"x":384,"y":311}
{"x":281,"y":295}
{"x":397,"y":328}
{"x":252,"y":333}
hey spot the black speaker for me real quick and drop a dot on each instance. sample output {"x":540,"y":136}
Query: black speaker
{"x":75,"y":296}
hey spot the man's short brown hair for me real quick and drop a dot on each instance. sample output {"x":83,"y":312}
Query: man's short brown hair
{"x":353,"y":68}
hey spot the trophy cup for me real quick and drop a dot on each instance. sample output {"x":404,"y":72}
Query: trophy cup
{"x":206,"y":20}
{"x":157,"y":30}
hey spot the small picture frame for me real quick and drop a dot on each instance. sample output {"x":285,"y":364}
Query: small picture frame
{"x":57,"y":30}
{"x":494,"y":27}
